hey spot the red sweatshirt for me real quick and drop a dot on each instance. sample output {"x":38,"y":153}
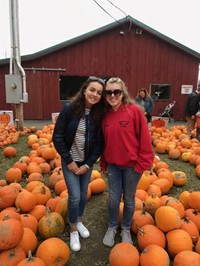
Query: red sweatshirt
{"x":127,"y":139}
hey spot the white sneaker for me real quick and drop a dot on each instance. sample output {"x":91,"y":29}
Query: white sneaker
{"x":74,"y":241}
{"x":82,"y":230}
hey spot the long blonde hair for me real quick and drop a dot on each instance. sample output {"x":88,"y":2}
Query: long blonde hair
{"x":126,"y":98}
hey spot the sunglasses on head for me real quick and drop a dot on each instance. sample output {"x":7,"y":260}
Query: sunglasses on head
{"x":116,"y":92}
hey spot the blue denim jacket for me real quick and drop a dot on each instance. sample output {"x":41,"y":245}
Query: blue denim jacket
{"x":65,"y":131}
{"x":148,"y":104}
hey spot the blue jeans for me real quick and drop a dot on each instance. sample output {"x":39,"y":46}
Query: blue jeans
{"x":77,"y":193}
{"x":121,"y":181}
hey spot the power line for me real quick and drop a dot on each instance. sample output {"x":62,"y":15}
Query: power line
{"x":117,"y":8}
{"x":106,"y":11}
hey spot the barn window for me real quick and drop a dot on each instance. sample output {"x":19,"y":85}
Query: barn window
{"x":70,"y":85}
{"x":161,"y":91}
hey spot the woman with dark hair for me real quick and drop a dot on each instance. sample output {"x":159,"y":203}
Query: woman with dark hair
{"x":127,"y":153}
{"x":144,"y":100}
{"x":78,"y":139}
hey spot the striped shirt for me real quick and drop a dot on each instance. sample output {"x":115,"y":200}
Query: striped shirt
{"x":78,"y":147}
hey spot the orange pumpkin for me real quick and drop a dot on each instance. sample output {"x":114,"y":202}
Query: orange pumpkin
{"x":21,"y":165}
{"x":124,"y":254}
{"x":57,"y":248}
{"x":95,"y":174}
{"x":190,"y":228}
{"x":32,"y":261}
{"x":35,"y":177}
{"x":60,"y":186}
{"x":174,"y":154}
{"x":8,"y":195}
{"x":161,"y":147}
{"x":176,"y":204}
{"x":97,"y":186}
{"x":51,"y":225}
{"x":154,"y":255}
{"x":52,"y":203}
{"x":11,"y":232}
{"x":28,"y":241}
{"x":55,"y":177}
{"x":187,"y":257}
{"x":29,"y":221}
{"x":194,"y":200}
{"x":163,"y":184}
{"x":167,"y":218}
{"x":186,"y":143}
{"x":11,"y":257}
{"x":150,"y":234}
{"x":141,"y":194}
{"x":49,"y":153}
{"x":38,"y":211}
{"x":13,"y":175}
{"x":11,"y":213}
{"x":155,"y":189}
{"x":152,"y":203}
{"x":193,"y":215}
{"x":25,"y":201}
{"x":144,"y":181}
{"x":140,"y":218}
{"x":9,"y":152}
{"x":33,"y":167}
{"x":160,"y":164}
{"x":179,"y":178}
{"x":178,"y":240}
{"x":184,"y":198}
{"x":185,"y":156}
{"x":42,"y":194}
{"x":62,"y":207}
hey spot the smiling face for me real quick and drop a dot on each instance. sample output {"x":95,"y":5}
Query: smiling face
{"x":114,"y":95}
{"x":93,"y":94}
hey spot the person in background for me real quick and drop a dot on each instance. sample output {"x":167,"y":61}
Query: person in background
{"x":78,"y":139}
{"x":144,"y":99}
{"x":197,"y":117}
{"x":191,"y":108}
{"x":127,"y":153}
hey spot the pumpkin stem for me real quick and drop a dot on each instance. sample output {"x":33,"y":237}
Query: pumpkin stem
{"x":186,"y":220}
{"x":196,"y":211}
{"x":141,"y":231}
{"x":30,"y":257}
{"x":6,"y":217}
{"x":143,"y":208}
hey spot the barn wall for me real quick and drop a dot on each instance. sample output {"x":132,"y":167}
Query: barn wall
{"x":138,"y":59}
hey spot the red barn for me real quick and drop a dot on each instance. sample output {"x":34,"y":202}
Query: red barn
{"x":129,"y":49}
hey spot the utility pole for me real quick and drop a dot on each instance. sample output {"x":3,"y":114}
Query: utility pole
{"x":16,"y":80}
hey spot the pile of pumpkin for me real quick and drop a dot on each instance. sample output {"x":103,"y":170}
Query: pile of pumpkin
{"x":167,"y":228}
{"x":33,"y":204}
{"x":177,"y":145}
{"x":9,"y":134}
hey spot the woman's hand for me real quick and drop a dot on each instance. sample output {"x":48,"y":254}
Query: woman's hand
{"x":81,"y":170}
{"x":73,"y":167}
{"x":77,"y":170}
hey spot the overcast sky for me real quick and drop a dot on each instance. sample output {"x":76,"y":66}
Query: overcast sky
{"x":44,"y":23}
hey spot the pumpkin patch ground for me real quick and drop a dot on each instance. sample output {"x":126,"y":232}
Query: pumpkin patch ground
{"x":93,"y":252}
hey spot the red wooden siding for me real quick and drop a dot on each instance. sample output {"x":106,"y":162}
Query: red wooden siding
{"x":139,"y":59}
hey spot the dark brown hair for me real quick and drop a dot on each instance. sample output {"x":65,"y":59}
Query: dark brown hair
{"x":98,"y":109}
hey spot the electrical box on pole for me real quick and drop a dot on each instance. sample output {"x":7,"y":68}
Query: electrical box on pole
{"x":13,"y":88}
